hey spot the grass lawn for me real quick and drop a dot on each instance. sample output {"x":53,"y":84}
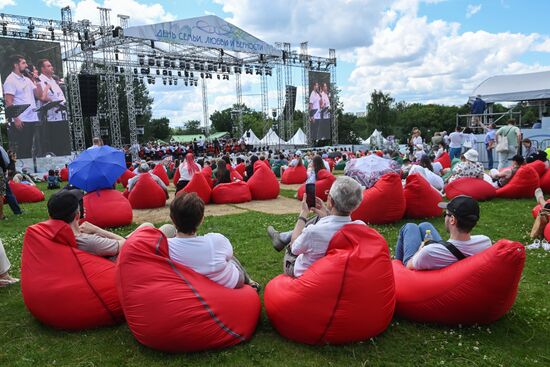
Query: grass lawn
{"x":521,"y":338}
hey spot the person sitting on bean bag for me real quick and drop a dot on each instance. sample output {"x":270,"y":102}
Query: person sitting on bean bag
{"x":187,"y":169}
{"x":223,"y":175}
{"x":501,"y":178}
{"x":144,"y":168}
{"x":65,"y":205}
{"x":461,"y":216}
{"x":210,"y":255}
{"x":468,"y":167}
{"x":309,"y":240}
{"x":428,"y":171}
{"x":250,"y":167}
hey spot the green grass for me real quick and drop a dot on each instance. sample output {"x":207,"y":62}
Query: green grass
{"x":521,"y":338}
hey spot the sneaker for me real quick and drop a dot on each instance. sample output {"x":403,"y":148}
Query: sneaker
{"x":8,"y":280}
{"x":545,"y":245}
{"x":276,"y":241}
{"x":257,"y":287}
{"x":535,"y":245}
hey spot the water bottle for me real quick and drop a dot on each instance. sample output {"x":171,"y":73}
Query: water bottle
{"x":428,"y":236}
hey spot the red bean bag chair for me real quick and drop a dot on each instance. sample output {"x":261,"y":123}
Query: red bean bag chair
{"x":198,"y":185}
{"x":64,"y":174}
{"x":324,"y":182}
{"x":177,"y":176}
{"x":26,"y":193}
{"x":146,"y":193}
{"x":538,"y":166}
{"x":346,"y":296}
{"x":294,"y":175}
{"x":107,"y":208}
{"x":331,"y":163}
{"x":421,"y":198}
{"x":125,"y":177}
{"x":231,"y":193}
{"x":383,"y":203}
{"x":160,"y":171}
{"x":522,"y":185}
{"x":263,"y":183}
{"x":266,"y":162}
{"x":170,"y":307}
{"x":233,"y":174}
{"x":477,"y":290}
{"x":477,"y":188}
{"x":64,"y":287}
{"x":241,"y":168}
{"x":545,"y":182}
{"x":131,"y":168}
{"x":445,"y":160}
{"x":207,"y":173}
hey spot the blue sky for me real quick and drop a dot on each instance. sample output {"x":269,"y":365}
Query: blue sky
{"x":418,"y":50}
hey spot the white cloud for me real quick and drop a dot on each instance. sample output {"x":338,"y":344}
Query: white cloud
{"x":139,"y":13}
{"x":4,"y":3}
{"x":472,"y":10}
{"x":59,"y":3}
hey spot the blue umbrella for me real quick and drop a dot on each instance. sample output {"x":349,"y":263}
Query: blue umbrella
{"x":97,"y":168}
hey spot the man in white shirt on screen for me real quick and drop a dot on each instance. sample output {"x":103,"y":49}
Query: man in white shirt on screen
{"x":314,"y":110}
{"x":325,"y":102}
{"x":21,"y":90}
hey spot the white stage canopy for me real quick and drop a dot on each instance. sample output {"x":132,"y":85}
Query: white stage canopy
{"x":271,"y":138}
{"x":252,"y":139}
{"x":299,"y":138}
{"x":207,"y":31}
{"x":514,"y":88}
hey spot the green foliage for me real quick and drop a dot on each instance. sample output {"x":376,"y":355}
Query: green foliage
{"x":380,"y":114}
{"x":192,"y":127}
{"x":157,"y":129}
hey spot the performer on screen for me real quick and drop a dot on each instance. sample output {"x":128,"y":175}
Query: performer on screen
{"x":325,"y":102}
{"x":55,"y":118}
{"x":314,"y":110}
{"x":21,"y":88}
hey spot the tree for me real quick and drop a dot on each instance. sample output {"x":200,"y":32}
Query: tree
{"x":157,"y":129}
{"x":380,"y":114}
{"x":193,"y":127}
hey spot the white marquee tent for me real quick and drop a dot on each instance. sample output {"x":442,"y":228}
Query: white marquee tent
{"x":271,"y":138}
{"x":252,"y":139}
{"x":299,"y":138}
{"x":512,"y":88}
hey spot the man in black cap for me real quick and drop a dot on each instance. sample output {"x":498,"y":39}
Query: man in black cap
{"x":417,"y":251}
{"x":65,"y":205}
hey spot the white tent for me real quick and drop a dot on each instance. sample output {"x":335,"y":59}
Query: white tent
{"x":251,"y":139}
{"x":271,"y":138}
{"x":298,"y":139}
{"x":376,"y":139}
{"x":512,"y":88}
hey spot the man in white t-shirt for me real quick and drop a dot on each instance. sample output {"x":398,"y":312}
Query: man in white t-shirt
{"x":309,"y":240}
{"x":461,"y":216}
{"x":455,"y":143}
{"x":25,"y":130}
{"x":325,"y":102}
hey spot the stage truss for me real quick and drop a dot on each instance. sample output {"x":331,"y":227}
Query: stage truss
{"x":103,"y":50}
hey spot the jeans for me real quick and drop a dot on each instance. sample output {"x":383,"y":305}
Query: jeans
{"x":505,"y":157}
{"x":490,"y":158}
{"x":410,"y":238}
{"x":12,"y":201}
{"x":454,"y":153}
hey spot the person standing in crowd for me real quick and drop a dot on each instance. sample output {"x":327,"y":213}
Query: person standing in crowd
{"x":468,"y":140}
{"x":20,"y":88}
{"x":478,"y":108}
{"x":455,"y":143}
{"x":513,"y":134}
{"x":490,"y":144}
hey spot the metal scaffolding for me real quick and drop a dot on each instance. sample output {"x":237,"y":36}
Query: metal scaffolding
{"x":333,"y":117}
{"x":289,"y":113}
{"x":239,"y":94}
{"x":204,"y":107}
{"x":304,"y":59}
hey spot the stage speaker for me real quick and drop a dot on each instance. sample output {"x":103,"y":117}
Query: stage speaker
{"x":290,"y":102}
{"x":88,"y":94}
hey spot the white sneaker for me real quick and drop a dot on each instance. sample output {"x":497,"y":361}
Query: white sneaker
{"x":545,"y":245}
{"x":535,"y":245}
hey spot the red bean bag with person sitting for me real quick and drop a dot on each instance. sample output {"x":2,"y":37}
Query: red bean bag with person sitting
{"x":522,"y":185}
{"x":383,"y":203}
{"x":477,"y":188}
{"x":125,"y":177}
{"x":233,"y":174}
{"x":26,"y":193}
{"x":64,"y":174}
{"x":160,"y":171}
{"x":198,"y":185}
{"x":445,"y":160}
{"x":146,"y":193}
{"x":324,"y":182}
{"x":107,"y":208}
{"x":346,"y":296}
{"x":477,"y":290}
{"x":263,"y":183}
{"x":241,"y":168}
{"x":171,"y":308}
{"x":231,"y":193}
{"x":207,"y":173}
{"x":64,"y":287}
{"x":421,"y":198}
{"x":538,"y":166}
{"x":294,"y":175}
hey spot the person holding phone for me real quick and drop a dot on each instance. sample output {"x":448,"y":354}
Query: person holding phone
{"x":309,"y":240}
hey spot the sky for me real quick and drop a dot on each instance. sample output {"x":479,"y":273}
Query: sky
{"x":419,"y":51}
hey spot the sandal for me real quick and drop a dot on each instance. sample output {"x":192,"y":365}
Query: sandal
{"x":255,"y":285}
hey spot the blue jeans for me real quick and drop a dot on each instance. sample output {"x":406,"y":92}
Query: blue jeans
{"x":490,"y":158}
{"x":12,"y":201}
{"x":454,"y":153}
{"x":410,"y":237}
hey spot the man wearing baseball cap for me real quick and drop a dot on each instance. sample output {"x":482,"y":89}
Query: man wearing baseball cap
{"x":65,"y":205}
{"x":461,"y":216}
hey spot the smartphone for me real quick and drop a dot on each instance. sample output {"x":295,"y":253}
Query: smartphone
{"x":310,"y":192}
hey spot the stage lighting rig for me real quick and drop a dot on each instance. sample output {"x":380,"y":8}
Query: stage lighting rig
{"x":151,"y":60}
{"x":141,"y":59}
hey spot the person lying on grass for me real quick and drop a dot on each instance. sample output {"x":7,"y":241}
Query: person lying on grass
{"x":309,"y":240}
{"x":461,"y":216}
